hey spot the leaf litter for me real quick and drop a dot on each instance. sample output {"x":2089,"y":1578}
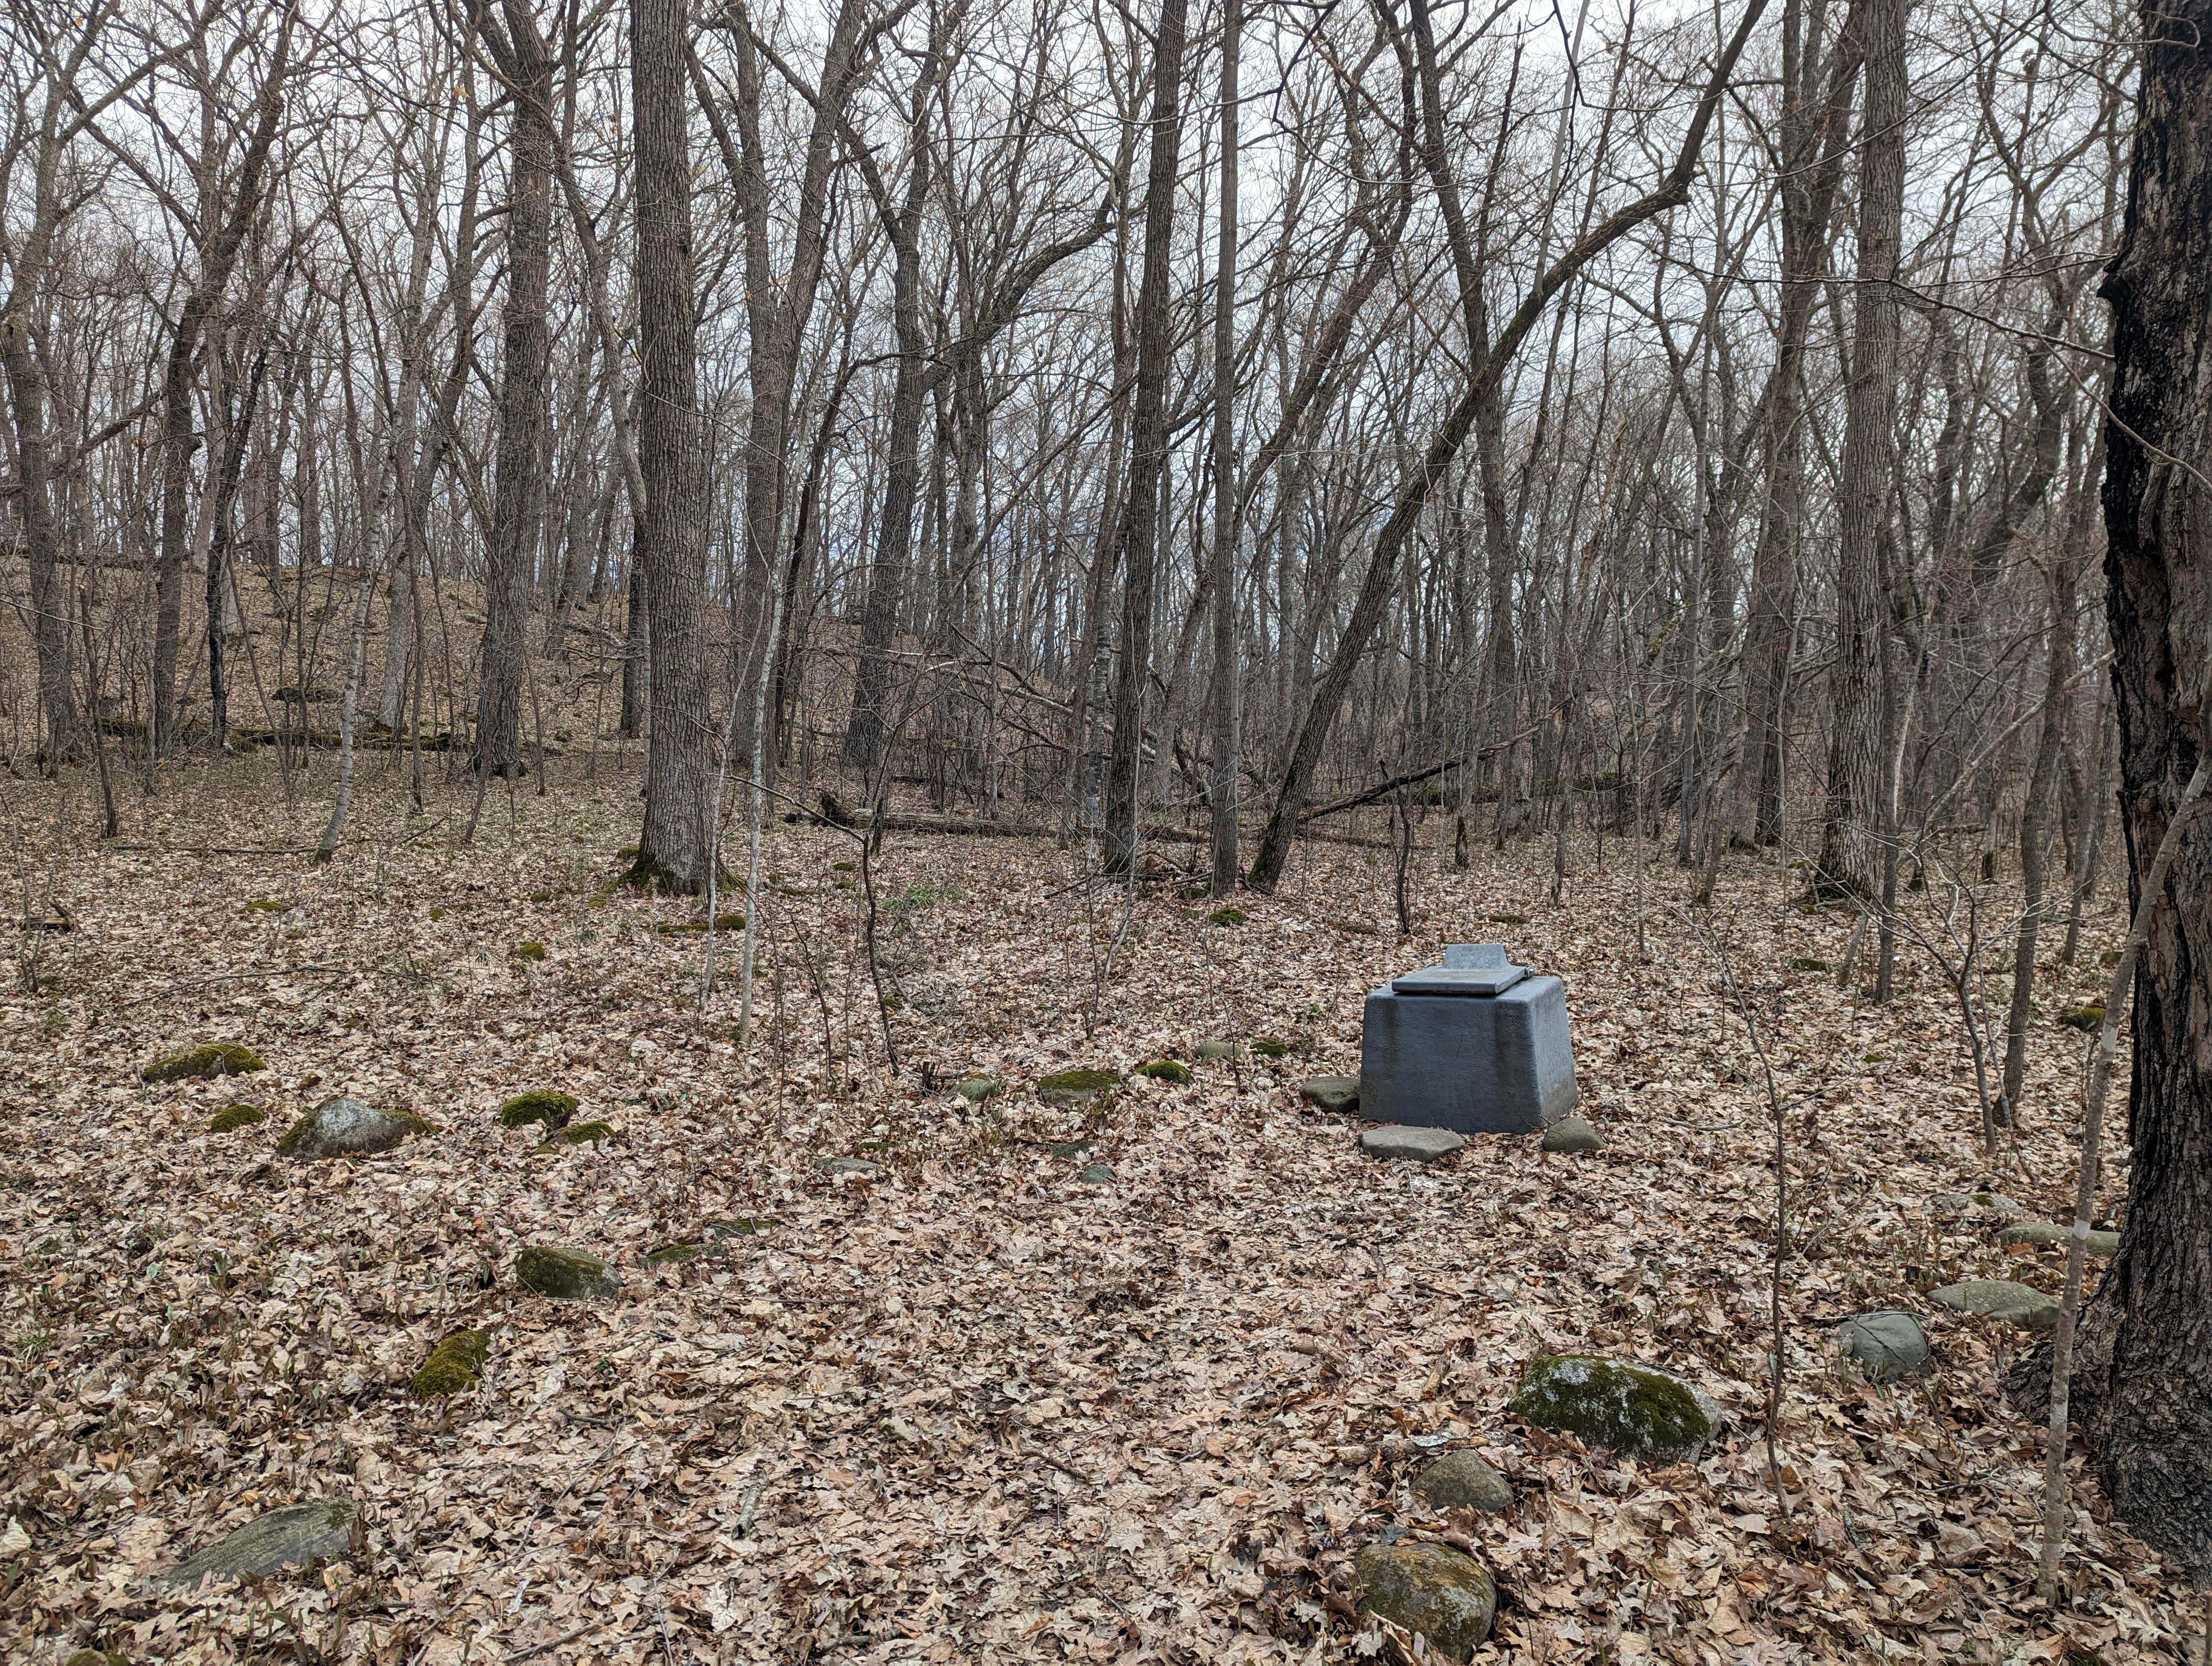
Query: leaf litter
{"x":970,"y":1395}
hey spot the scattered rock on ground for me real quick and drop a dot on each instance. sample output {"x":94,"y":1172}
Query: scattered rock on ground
{"x":1167,"y":1070}
{"x":1989,"y":1206}
{"x":203,"y":1063}
{"x":1393,"y":1142}
{"x":845,"y":1165}
{"x":979,"y":1087}
{"x":1214,"y":1047}
{"x":453,"y":1365}
{"x":1334,"y":1094}
{"x":235,"y":1117}
{"x":567,"y":1275}
{"x":347,"y":1127}
{"x":1095,"y":1174}
{"x":1077,"y":1090}
{"x":576,"y":1134}
{"x":1637,"y":1411}
{"x":2042,"y":1233}
{"x":1889,"y":1344}
{"x":543,"y":1105}
{"x":291,"y":1537}
{"x":2001,"y":1299}
{"x":1268,"y":1048}
{"x":1572,"y":1134}
{"x":1461,"y":1481}
{"x":1443,"y":1594}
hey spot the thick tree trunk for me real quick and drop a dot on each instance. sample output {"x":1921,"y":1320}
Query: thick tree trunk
{"x":1138,"y":535}
{"x":675,"y":849}
{"x":2144,"y":1379}
{"x":518,"y":502}
{"x":1853,"y":824}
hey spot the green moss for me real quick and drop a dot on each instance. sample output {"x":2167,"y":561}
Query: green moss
{"x":743,"y":1227}
{"x":2110,"y":957}
{"x":1070,"y":1088}
{"x":1268,"y":1048}
{"x":567,"y":1275}
{"x":1167,"y":1070}
{"x":1230,"y":916}
{"x":844,"y":867}
{"x":453,"y":1365}
{"x":577,"y":1134}
{"x":1355,"y":928}
{"x":265,"y":905}
{"x":437,"y":912}
{"x":1805,"y":962}
{"x":675,"y":1254}
{"x":2089,"y":1019}
{"x":204,"y":1062}
{"x":1510,"y":919}
{"x":723,"y":922}
{"x":1441,"y":1593}
{"x":240,"y":1115}
{"x":537,"y":1104}
{"x":977,"y":1088}
{"x":530,"y":951}
{"x":1632,"y":1409}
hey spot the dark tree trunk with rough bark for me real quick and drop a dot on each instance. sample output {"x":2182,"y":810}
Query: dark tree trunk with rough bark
{"x":2143,"y":1383}
{"x":675,"y":849}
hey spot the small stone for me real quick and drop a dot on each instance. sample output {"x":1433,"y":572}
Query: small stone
{"x":1986,"y":1205}
{"x":1213,"y":1047}
{"x":576,"y":1134}
{"x":1268,"y":1048}
{"x":543,"y":1105}
{"x":1077,"y":1090}
{"x":1333,"y":1094}
{"x":453,"y":1365}
{"x":977,"y":1088}
{"x":1095,"y":1174}
{"x":567,"y":1275}
{"x":1167,"y":1070}
{"x":1890,"y":1345}
{"x":233,"y":1117}
{"x":2001,"y":1299}
{"x":845,"y":1165}
{"x":298,"y":1534}
{"x":1572,"y":1134}
{"x":1637,"y":1411}
{"x":1443,"y":1594}
{"x":2044,"y":1233}
{"x":1228,"y":916}
{"x":1461,"y":1481}
{"x":203,"y":1063}
{"x":347,"y":1127}
{"x":533,"y":951}
{"x":1394,"y":1143}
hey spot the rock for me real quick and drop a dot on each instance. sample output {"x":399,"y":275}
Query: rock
{"x":1228,"y":916}
{"x":576,"y":1134}
{"x":232,"y":1117}
{"x":543,"y":1105}
{"x":291,"y":1537}
{"x":1167,"y":1070}
{"x":1268,"y":1048}
{"x":1637,"y":1411}
{"x":1443,"y":1594}
{"x":1215,"y":1047}
{"x":1333,"y":1094}
{"x":533,"y":951}
{"x":1067,"y":1148}
{"x":1890,"y":1345}
{"x":1393,"y":1142}
{"x":979,"y":1087}
{"x":1989,"y":1206}
{"x":203,"y":1063}
{"x":347,"y":1127}
{"x":2043,"y":1233}
{"x":1095,"y":1174}
{"x":567,"y":1275}
{"x":1572,"y":1134}
{"x":1461,"y":1481}
{"x":1077,"y":1090}
{"x":2089,"y":1019}
{"x":453,"y":1365}
{"x":2001,"y":1299}
{"x":836,"y":1165}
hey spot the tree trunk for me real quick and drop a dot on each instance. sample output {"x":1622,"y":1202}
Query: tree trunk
{"x":1852,"y":828}
{"x":674,"y":848}
{"x":1139,"y":533}
{"x":1225,"y":666}
{"x":2144,"y":1378}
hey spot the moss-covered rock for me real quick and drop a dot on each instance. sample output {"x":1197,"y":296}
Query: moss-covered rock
{"x":1461,"y":1481}
{"x":341,"y":1126}
{"x":1441,"y":1593}
{"x":203,"y":1063}
{"x":453,"y":1365}
{"x":298,"y":1534}
{"x":675,"y":1254}
{"x":576,"y":1134}
{"x":978,"y":1088}
{"x":2087,"y":1019}
{"x":1806,"y":963}
{"x":567,"y":1275}
{"x":1268,"y":1047}
{"x":723,"y":922}
{"x":1215,"y":1047}
{"x":1510,"y":919}
{"x":1167,"y":1070}
{"x":265,"y":905}
{"x":1228,"y":916}
{"x":1074,"y":1090}
{"x":235,"y":1116}
{"x":1635,"y":1410}
{"x":2042,"y":1234}
{"x":530,"y":950}
{"x":545,"y":1105}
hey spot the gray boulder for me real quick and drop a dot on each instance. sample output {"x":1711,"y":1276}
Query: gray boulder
{"x":1095,"y":1174}
{"x":291,"y":1537}
{"x":979,"y":1087}
{"x":2001,"y":1299}
{"x":1889,"y":1344}
{"x":1637,"y":1411}
{"x":567,"y":1275}
{"x":1392,"y":1143}
{"x":1443,"y":1594}
{"x":1461,"y":1481}
{"x":1215,"y":1047}
{"x":2044,"y":1233}
{"x":347,"y":1127}
{"x":1333,"y":1094}
{"x":1572,"y":1134}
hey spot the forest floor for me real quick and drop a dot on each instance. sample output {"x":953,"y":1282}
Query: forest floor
{"x":964,"y":1406}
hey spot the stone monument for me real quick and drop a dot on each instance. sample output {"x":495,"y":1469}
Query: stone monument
{"x":1478,"y":1044}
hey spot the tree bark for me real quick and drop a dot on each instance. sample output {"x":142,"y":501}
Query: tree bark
{"x":1226,"y":669}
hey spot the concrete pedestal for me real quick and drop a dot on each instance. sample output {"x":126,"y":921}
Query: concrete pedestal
{"x":1477,"y":1045}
